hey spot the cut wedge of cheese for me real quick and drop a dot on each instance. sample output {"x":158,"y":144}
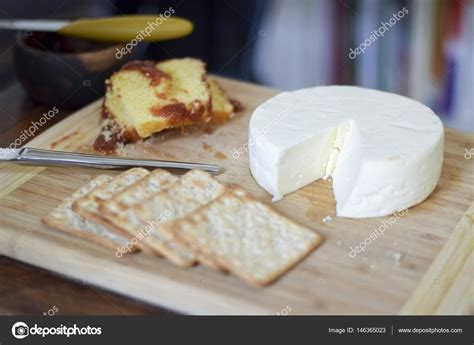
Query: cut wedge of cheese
{"x":383,"y":151}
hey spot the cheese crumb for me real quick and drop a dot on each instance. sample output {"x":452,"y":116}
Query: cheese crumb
{"x":397,"y":257}
{"x":327,"y":219}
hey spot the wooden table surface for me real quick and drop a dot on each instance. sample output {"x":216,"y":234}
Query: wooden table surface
{"x":27,"y":290}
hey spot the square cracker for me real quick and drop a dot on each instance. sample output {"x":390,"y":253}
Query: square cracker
{"x":118,"y":209}
{"x":88,"y":205}
{"x":246,"y":237}
{"x":195,"y":189}
{"x":65,"y":219}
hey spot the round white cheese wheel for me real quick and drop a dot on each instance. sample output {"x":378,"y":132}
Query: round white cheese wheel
{"x":383,"y":151}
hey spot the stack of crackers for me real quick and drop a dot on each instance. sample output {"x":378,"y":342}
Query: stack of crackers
{"x":188,"y":220}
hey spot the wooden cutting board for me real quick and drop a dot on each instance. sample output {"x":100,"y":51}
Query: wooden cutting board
{"x":422,"y":264}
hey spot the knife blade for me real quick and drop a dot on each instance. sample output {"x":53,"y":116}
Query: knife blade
{"x":9,"y":154}
{"x":33,"y":25}
{"x":32,"y":156}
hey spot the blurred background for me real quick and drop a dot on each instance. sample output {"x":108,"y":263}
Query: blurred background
{"x":426,"y":51}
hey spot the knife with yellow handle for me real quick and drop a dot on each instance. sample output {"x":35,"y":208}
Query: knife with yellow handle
{"x":112,"y":29}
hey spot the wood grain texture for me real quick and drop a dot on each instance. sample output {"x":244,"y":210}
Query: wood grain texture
{"x":447,"y":287}
{"x":377,"y":281}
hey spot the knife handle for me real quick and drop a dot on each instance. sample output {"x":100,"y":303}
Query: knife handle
{"x":48,"y":157}
{"x":127,"y":28}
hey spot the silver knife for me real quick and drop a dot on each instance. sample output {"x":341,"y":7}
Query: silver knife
{"x":33,"y":24}
{"x":31,"y":156}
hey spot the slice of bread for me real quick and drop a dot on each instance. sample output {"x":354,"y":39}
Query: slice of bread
{"x":246,"y":237}
{"x":65,"y":219}
{"x":88,"y":205}
{"x":189,"y":100}
{"x":195,"y":189}
{"x":222,"y":108}
{"x":144,"y":98}
{"x":118,"y":209}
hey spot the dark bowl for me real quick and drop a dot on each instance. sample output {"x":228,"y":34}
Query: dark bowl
{"x":65,"y":72}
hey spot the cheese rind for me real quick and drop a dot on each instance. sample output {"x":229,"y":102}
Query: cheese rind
{"x":383,"y":151}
